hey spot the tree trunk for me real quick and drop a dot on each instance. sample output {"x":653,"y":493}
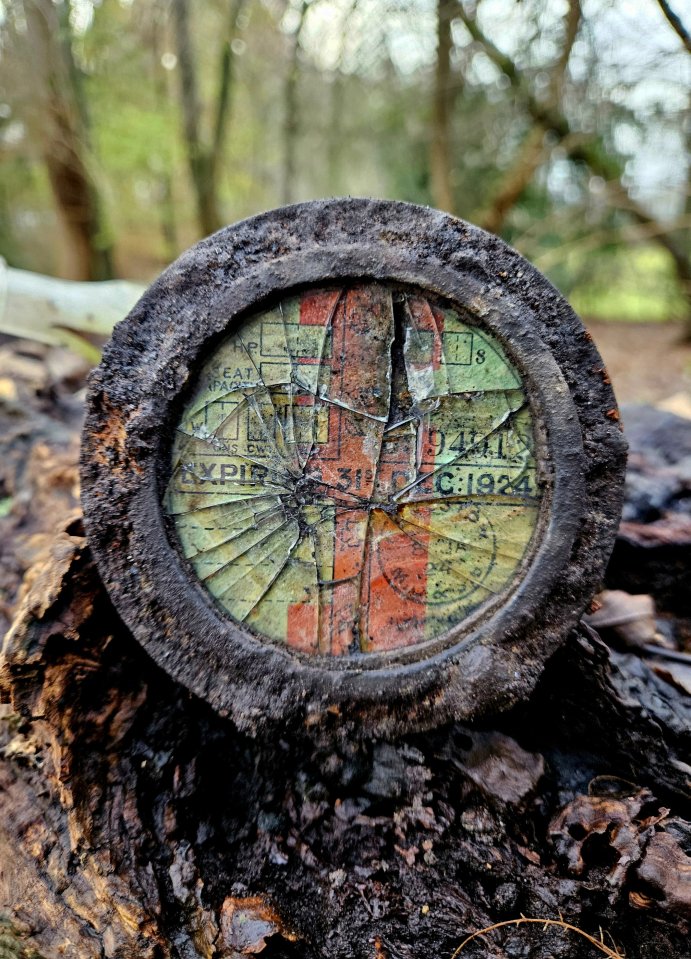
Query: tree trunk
{"x":164,"y":180}
{"x":337,"y":102}
{"x":204,"y":153}
{"x":440,"y":144}
{"x":137,"y":822}
{"x":291,"y":124}
{"x":64,"y":135}
{"x":200,"y":161}
{"x":225,"y":86}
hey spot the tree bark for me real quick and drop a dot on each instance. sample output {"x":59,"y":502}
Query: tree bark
{"x":64,"y":134}
{"x":137,"y":822}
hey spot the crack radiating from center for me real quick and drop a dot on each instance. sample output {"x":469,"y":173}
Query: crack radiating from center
{"x":355,"y":471}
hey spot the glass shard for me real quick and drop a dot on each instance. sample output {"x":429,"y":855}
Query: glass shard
{"x":355,"y":471}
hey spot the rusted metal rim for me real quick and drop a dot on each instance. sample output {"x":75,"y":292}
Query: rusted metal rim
{"x":491,"y":659}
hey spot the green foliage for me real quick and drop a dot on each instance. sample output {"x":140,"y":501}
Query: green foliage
{"x":363,"y":126}
{"x":136,"y":140}
{"x":633,"y":284}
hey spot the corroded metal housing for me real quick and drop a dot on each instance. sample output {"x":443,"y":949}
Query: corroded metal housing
{"x":484,"y":660}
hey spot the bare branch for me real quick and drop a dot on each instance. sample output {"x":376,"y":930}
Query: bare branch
{"x":572,"y":26}
{"x":551,"y":118}
{"x":532,"y":152}
{"x":676,"y":23}
{"x":517,"y":178}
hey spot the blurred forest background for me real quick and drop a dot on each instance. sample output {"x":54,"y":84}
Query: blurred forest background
{"x":130,"y":128}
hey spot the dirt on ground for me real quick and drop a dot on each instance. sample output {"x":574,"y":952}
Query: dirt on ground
{"x":647,"y":362}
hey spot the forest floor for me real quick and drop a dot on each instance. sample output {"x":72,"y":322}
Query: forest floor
{"x":647,"y":362}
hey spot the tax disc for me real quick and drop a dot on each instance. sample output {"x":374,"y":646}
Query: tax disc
{"x":352,"y":461}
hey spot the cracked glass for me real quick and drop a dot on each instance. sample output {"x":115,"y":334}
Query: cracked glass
{"x":355,"y":471}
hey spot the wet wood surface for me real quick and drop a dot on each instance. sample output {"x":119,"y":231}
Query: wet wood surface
{"x":137,"y":822}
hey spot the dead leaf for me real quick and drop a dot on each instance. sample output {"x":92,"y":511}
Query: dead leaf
{"x":631,"y":617}
{"x":246,"y":924}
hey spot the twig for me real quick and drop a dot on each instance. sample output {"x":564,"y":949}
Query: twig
{"x":676,"y":23}
{"x":545,"y":923}
{"x":677,"y":655}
